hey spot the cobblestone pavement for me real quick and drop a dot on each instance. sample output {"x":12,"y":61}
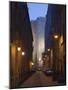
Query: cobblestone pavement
{"x":39,"y":79}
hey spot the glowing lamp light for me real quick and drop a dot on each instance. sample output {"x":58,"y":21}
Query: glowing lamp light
{"x":55,"y":36}
{"x":23,"y":53}
{"x":39,"y":59}
{"x":48,"y":49}
{"x":32,"y":63}
{"x":19,"y":48}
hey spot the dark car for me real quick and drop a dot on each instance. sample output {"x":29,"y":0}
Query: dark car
{"x":49,"y":72}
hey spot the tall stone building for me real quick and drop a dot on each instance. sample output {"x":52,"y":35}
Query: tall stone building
{"x":55,"y":32}
{"x":20,"y":43}
{"x":38,"y":29}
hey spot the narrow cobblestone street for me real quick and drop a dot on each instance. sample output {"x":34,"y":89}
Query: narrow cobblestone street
{"x":38,"y":79}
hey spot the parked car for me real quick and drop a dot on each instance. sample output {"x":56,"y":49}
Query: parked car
{"x":49,"y":72}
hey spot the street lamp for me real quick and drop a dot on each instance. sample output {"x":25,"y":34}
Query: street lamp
{"x":39,"y":59}
{"x":23,"y":53}
{"x":19,"y":48}
{"x":48,"y":49}
{"x":32,"y":63}
{"x":56,"y":36}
